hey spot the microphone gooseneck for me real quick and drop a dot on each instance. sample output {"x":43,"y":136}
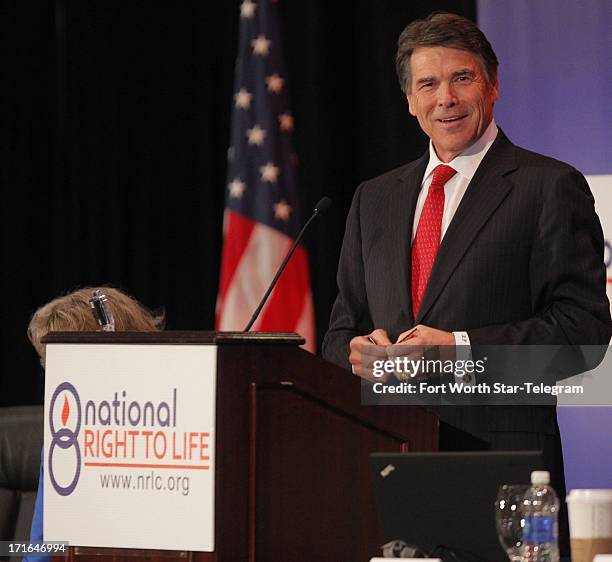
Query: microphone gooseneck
{"x":319,"y":209}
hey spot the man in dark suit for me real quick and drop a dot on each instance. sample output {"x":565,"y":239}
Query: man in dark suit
{"x":478,"y":242}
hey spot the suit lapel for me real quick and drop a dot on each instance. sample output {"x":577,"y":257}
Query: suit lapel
{"x":401,"y":207}
{"x":484,"y":194}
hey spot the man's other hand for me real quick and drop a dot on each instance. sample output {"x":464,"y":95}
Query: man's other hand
{"x":378,"y":337}
{"x":425,"y":336}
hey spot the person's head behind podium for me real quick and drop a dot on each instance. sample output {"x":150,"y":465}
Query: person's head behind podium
{"x":72,"y":313}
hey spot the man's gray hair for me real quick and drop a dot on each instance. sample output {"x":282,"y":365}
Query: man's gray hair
{"x":443,"y":29}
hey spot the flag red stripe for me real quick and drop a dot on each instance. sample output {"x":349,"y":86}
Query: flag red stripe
{"x":287,"y":300}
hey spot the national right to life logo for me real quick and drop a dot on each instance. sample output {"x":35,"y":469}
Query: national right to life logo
{"x":64,"y":460}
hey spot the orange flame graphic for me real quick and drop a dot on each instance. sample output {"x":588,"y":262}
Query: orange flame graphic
{"x":65,"y":411}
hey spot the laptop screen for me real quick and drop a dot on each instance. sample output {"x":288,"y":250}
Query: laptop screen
{"x":447,"y":500}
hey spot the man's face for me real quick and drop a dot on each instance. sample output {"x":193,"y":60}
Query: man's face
{"x":451,"y":98}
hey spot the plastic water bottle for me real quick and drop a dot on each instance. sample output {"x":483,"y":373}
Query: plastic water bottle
{"x":541,"y":514}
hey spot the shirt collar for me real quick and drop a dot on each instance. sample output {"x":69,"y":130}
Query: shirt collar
{"x":468,"y":161}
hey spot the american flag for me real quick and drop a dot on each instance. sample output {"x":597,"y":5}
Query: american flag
{"x":262,"y":215}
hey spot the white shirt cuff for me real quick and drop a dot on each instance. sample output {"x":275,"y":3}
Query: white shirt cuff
{"x":461,"y":338}
{"x":463,"y":352}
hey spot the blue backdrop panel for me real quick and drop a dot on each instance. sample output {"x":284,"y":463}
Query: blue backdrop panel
{"x":556,"y":98}
{"x":555,"y":76}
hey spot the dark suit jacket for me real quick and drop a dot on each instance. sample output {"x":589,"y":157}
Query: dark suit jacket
{"x":520,"y":263}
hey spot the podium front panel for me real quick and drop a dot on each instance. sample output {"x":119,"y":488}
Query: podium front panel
{"x":129,"y":449}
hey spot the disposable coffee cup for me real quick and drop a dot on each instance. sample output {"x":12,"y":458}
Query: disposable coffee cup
{"x":590,"y":522}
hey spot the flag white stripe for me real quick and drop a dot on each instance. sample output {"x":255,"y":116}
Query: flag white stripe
{"x":263,"y":254}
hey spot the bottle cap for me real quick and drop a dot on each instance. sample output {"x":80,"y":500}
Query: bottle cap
{"x":540,"y":477}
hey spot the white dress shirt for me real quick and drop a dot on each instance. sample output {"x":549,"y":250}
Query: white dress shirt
{"x":465,"y":165}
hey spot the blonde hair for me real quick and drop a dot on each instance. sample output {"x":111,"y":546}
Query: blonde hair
{"x":72,"y":313}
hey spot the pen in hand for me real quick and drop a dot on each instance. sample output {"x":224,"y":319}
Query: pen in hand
{"x":410,"y":333}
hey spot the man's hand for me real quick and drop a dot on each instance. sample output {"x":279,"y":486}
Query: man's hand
{"x":424,"y":342}
{"x":378,"y":337}
{"x":425,"y":336}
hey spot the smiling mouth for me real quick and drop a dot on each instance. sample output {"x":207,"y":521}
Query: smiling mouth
{"x":452,"y":119}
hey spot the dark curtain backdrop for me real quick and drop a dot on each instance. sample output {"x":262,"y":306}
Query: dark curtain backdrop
{"x":115,"y":126}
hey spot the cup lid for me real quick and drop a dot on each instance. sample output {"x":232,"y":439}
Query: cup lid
{"x":602,"y":495}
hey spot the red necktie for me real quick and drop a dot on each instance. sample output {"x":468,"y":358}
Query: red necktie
{"x":428,"y":234}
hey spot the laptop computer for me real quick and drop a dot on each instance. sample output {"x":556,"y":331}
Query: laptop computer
{"x":447,"y":499}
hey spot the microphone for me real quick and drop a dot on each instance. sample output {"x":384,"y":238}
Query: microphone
{"x":322,"y":206}
{"x":319,"y":209}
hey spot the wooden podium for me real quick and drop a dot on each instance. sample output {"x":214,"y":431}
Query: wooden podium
{"x":292,"y":480}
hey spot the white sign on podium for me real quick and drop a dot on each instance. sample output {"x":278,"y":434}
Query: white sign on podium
{"x":129,"y":448}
